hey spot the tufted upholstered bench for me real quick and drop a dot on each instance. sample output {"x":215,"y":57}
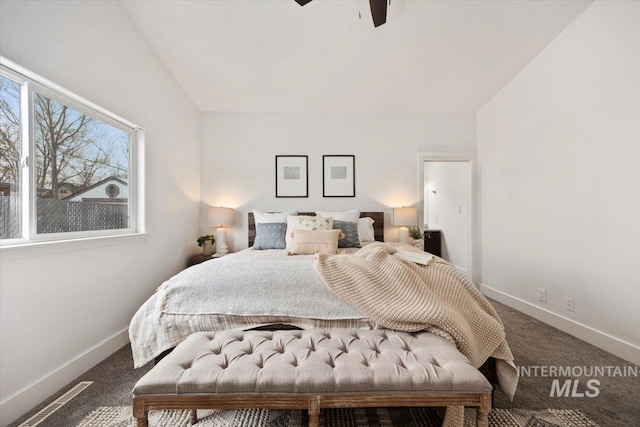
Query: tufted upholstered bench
{"x":311,"y":369}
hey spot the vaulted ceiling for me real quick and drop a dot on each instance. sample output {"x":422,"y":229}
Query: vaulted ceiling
{"x":430,"y":56}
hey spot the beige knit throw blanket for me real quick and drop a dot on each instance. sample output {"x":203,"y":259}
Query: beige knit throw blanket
{"x":410,"y":297}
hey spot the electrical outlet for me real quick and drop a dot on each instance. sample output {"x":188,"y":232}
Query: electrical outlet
{"x":569,"y":304}
{"x":542,"y":295}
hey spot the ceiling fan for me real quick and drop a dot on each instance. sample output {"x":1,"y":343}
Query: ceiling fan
{"x":378,"y":10}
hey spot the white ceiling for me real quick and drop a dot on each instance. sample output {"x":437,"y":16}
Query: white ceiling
{"x":430,"y":56}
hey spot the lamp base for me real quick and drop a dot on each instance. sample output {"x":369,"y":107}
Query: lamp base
{"x":403,"y":236}
{"x":221,"y":243}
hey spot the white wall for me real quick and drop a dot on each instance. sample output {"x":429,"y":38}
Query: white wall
{"x":239,"y":149}
{"x":559,"y":156}
{"x":62,"y":311}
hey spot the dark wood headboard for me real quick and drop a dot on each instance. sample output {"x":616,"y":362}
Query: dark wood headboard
{"x":377,"y":217}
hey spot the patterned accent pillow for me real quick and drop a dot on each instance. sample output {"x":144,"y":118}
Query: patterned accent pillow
{"x":301,"y":222}
{"x":350,"y":230}
{"x":270,"y":235}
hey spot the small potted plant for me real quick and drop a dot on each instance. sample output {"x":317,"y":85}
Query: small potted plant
{"x":418,"y":238}
{"x":206,"y":243}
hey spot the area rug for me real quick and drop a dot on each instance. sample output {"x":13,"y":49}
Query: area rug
{"x":120,"y":416}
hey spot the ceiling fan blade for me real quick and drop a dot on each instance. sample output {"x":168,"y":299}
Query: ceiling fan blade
{"x":302,"y":2}
{"x":378,"y":11}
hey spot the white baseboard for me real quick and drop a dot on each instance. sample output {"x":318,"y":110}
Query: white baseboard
{"x":620,"y":348}
{"x":21,"y":402}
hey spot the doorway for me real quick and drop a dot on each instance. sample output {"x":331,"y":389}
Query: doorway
{"x":446,"y":204}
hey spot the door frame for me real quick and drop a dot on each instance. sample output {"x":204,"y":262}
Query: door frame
{"x":471,"y":158}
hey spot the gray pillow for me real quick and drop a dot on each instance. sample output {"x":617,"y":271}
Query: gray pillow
{"x":350,"y":230}
{"x":270,"y":235}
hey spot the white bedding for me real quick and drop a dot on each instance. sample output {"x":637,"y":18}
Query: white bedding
{"x":254,"y":283}
{"x":242,"y":290}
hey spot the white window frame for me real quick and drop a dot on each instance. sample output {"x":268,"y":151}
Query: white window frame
{"x":32,"y":84}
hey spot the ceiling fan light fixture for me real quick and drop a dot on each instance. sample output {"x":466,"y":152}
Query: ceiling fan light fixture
{"x":378,"y":10}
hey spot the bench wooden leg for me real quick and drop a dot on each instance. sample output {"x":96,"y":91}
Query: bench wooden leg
{"x":482,"y":420}
{"x":140,"y":413}
{"x":193,"y":416}
{"x":314,"y":412}
{"x":482,"y":414}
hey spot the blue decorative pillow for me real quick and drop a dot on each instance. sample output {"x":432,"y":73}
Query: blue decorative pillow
{"x":270,"y":235}
{"x":350,"y":230}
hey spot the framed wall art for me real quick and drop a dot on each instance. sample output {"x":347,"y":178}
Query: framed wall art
{"x":338,"y":176}
{"x":292,"y":179}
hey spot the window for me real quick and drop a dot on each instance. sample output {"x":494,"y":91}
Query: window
{"x":10,"y":224}
{"x":67,"y":167}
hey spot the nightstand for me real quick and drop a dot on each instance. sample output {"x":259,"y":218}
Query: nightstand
{"x":433,"y":242}
{"x":197,"y":259}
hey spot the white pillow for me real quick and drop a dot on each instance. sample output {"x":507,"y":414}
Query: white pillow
{"x":348,"y":216}
{"x":270,"y":217}
{"x":365,"y":230}
{"x":301,"y":222}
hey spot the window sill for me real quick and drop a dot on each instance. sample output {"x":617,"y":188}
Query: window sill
{"x":30,"y":249}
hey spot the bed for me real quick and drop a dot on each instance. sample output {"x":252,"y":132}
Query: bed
{"x":157,"y":328}
{"x":260,"y":288}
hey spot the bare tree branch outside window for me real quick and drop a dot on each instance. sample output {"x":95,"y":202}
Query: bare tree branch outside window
{"x":10,"y":218}
{"x":74,"y":148}
{"x":9,"y":130}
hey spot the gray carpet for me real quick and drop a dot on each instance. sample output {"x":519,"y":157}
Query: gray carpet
{"x":533,"y":344}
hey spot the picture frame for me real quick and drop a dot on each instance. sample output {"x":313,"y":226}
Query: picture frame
{"x":339,"y":175}
{"x":292,"y":177}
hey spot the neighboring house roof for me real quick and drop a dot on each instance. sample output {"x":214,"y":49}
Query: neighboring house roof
{"x":9,"y":185}
{"x":74,"y":188}
{"x":97,"y":184}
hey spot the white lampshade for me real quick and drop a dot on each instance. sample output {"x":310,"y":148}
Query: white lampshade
{"x":222,"y":217}
{"x":405,"y":216}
